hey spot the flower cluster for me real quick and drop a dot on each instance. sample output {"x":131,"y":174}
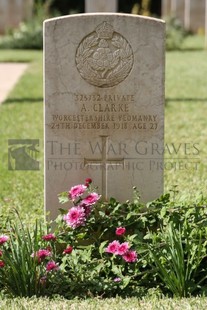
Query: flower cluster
{"x":83,"y":203}
{"x":122,"y":249}
{"x":44,"y":254}
{"x":3,"y":239}
{"x":41,"y":254}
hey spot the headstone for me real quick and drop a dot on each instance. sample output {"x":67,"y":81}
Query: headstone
{"x":206,"y":25}
{"x":104,"y":99}
{"x":92,"y":6}
{"x":12,"y":12}
{"x":197,"y":15}
{"x":166,"y":8}
{"x":175,"y":8}
{"x":191,"y":13}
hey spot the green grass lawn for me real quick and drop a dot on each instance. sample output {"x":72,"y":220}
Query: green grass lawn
{"x":21,"y":117}
{"x":185,"y":120}
{"x":104,"y":304}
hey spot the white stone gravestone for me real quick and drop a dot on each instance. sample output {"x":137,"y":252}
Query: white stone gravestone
{"x":104,"y":102}
{"x":92,"y":6}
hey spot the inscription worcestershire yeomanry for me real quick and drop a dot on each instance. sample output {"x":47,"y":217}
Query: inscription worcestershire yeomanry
{"x":106,"y":121}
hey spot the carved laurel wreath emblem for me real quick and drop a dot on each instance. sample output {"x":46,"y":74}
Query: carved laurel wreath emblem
{"x":104,"y":58}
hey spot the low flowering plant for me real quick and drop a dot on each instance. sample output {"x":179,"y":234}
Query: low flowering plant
{"x":76,"y":191}
{"x":113,"y":247}
{"x":49,"y":237}
{"x":120,"y":231}
{"x":85,"y":234}
{"x":51,"y":265}
{"x":106,"y":248}
{"x":75,"y":217}
{"x":3,"y":239}
{"x":68,"y":250}
{"x":41,"y":254}
{"x":2,"y":264}
{"x":94,"y":247}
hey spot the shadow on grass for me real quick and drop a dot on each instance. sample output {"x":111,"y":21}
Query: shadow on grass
{"x":186,"y":50}
{"x":185,"y":99}
{"x":22,"y":100}
{"x":192,"y":49}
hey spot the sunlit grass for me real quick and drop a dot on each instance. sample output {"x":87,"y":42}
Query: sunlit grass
{"x":118,"y":303}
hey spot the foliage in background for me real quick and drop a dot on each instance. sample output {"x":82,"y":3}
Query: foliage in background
{"x":142,"y":8}
{"x":29,"y":35}
{"x":175,"y":33}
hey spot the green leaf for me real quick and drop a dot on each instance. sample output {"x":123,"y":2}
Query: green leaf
{"x":126,"y":281}
{"x":63,"y":197}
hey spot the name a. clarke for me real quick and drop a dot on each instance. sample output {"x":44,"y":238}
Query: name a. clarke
{"x":107,"y":107}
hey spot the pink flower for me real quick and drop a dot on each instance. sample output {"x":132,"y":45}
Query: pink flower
{"x":113,"y":247}
{"x":49,"y":237}
{"x":120,"y":231}
{"x":91,"y":199}
{"x":3,"y":239}
{"x":68,"y":250}
{"x":2,"y":264}
{"x":41,"y":254}
{"x":75,"y":217}
{"x":117,"y":279}
{"x":51,"y":265}
{"x":76,"y":191}
{"x":130,"y":256}
{"x":123,"y":248}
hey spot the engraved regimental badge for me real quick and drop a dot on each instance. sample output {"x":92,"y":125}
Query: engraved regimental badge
{"x":104,"y":58}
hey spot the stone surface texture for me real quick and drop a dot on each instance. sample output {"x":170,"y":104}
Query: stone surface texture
{"x":104,"y":103}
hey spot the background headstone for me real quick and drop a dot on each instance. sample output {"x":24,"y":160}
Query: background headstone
{"x":191,"y":13}
{"x":92,"y":6}
{"x":12,"y":12}
{"x":197,"y":15}
{"x":206,"y":26}
{"x":104,"y":98}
